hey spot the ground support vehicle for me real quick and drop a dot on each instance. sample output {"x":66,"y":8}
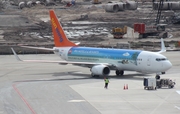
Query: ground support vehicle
{"x":150,"y":83}
{"x":153,"y":30}
{"x":165,"y":83}
{"x":119,"y":32}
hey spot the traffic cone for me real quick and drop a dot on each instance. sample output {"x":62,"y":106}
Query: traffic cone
{"x":126,"y":86}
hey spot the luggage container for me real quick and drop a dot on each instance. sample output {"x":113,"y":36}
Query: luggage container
{"x":150,"y":83}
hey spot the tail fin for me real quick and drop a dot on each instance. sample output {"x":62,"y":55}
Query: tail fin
{"x":60,"y":39}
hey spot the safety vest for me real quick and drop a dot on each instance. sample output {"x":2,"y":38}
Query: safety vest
{"x":106,"y":81}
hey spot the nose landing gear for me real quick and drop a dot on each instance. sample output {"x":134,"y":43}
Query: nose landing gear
{"x":157,"y":77}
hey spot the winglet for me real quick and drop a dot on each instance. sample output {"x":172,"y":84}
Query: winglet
{"x":15,"y":55}
{"x":60,"y":39}
{"x":163,"y":48}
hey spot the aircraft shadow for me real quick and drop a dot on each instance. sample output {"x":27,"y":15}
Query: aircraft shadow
{"x":75,"y":75}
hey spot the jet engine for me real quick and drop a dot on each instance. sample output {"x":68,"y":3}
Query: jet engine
{"x":100,"y":70}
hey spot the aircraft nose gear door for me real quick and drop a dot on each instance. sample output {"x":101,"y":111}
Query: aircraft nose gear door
{"x":149,"y":61}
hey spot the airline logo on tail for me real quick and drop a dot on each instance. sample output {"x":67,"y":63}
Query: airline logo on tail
{"x":56,"y":28}
{"x":60,"y":39}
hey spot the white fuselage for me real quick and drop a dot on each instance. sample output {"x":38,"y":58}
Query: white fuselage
{"x":146,"y":62}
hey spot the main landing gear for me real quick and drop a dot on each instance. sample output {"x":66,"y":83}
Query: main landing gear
{"x":119,"y":72}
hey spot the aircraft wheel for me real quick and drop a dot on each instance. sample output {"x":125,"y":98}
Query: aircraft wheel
{"x":157,"y":77}
{"x":119,"y":72}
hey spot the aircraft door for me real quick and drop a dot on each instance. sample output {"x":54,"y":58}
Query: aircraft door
{"x":149,"y":61}
{"x":62,"y":54}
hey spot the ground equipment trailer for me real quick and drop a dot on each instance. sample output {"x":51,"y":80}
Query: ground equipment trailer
{"x":165,"y":83}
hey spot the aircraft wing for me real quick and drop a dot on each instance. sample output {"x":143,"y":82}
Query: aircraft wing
{"x":83,"y":64}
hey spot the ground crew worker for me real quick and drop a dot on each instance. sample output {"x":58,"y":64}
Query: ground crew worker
{"x":106,"y":80}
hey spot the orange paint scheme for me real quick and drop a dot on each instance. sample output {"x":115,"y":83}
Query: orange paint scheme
{"x":60,"y":39}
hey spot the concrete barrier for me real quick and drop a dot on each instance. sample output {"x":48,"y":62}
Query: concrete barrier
{"x":167,"y":6}
{"x":112,"y":7}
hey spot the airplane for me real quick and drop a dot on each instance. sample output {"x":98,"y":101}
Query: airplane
{"x":102,"y":60}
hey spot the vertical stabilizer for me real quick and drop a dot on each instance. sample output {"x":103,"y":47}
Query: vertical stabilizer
{"x":60,"y":39}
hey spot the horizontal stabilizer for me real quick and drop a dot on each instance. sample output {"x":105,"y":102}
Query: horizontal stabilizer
{"x":77,"y":43}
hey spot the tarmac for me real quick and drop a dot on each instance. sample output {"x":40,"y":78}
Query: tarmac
{"x":49,"y":88}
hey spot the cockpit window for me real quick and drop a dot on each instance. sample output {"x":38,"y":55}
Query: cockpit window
{"x":161,"y":59}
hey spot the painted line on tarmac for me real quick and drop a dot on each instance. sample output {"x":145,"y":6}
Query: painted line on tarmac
{"x":178,"y":92}
{"x":21,"y":96}
{"x":76,"y":101}
{"x":177,"y":107}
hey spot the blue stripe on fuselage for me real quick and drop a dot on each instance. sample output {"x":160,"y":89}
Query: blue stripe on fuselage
{"x":104,"y":53}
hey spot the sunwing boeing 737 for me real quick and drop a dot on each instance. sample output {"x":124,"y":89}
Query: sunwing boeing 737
{"x":102,"y":60}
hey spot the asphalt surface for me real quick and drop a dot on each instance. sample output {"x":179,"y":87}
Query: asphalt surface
{"x":42,"y":88}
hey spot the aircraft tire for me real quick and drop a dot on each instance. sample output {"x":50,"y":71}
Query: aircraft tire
{"x":119,"y":72}
{"x":157,"y":77}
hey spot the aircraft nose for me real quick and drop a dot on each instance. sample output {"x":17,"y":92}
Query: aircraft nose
{"x":168,"y":65}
